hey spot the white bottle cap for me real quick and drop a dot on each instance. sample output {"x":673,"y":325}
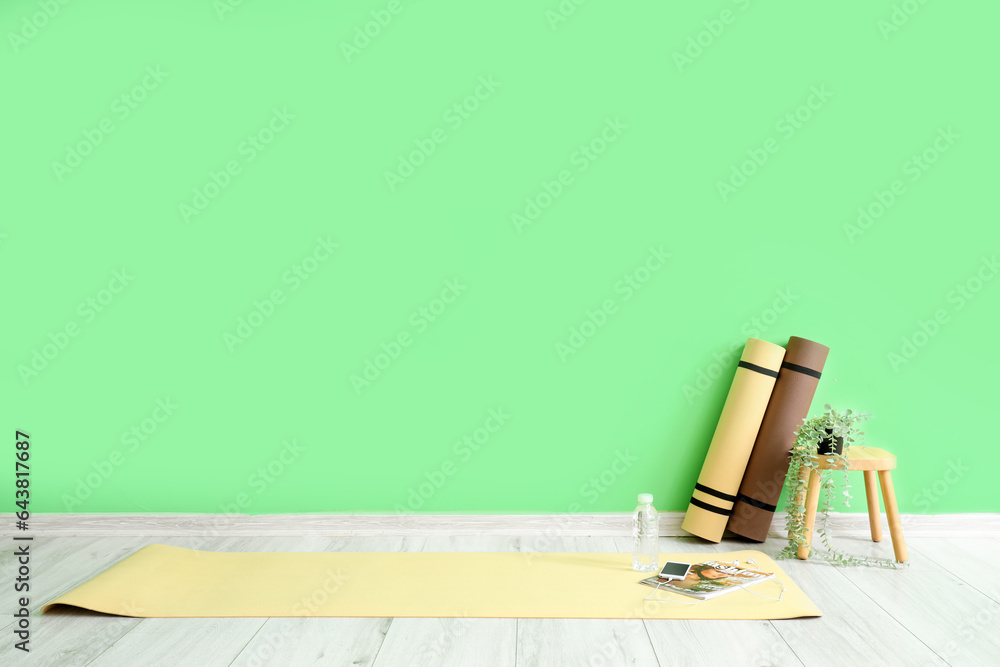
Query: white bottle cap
{"x":645,"y":498}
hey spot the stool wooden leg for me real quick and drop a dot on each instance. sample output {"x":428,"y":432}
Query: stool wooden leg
{"x":892,"y":514}
{"x":874,"y":518}
{"x":812,"y":502}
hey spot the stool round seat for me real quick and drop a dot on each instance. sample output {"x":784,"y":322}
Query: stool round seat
{"x":862,"y":458}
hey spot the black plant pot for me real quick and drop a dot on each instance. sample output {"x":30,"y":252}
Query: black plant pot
{"x":829,"y":446}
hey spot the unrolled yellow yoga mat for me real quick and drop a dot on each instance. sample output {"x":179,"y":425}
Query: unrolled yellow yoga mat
{"x":161,"y":581}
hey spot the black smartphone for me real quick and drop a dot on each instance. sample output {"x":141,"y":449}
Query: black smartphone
{"x":674,"y":570}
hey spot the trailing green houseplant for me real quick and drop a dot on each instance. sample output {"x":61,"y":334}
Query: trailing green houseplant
{"x":827,"y":437}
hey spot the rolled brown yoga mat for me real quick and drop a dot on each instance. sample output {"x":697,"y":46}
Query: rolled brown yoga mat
{"x":715,"y":492}
{"x":765,"y":474}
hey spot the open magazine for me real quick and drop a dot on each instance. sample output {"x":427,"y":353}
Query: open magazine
{"x":710,"y":579}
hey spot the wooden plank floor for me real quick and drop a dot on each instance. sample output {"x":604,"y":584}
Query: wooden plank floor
{"x":941,"y":610}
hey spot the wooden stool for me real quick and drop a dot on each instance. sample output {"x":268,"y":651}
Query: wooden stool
{"x":869,"y":460}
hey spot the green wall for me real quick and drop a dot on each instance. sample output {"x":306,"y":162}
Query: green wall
{"x":213,"y":221}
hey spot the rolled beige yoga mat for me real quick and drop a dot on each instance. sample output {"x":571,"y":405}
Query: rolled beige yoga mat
{"x":721,"y":474}
{"x":789,"y":405}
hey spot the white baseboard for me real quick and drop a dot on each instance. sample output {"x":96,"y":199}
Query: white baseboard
{"x":606,"y":524}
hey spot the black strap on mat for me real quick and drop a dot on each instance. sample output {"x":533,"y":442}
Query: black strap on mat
{"x":753,"y":502}
{"x":758,"y":369}
{"x":710,"y":508}
{"x":712,"y":492}
{"x":801,"y":369}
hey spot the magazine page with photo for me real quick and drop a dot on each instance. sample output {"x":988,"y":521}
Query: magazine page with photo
{"x":710,"y":579}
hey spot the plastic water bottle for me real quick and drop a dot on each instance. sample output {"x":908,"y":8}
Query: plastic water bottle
{"x":645,"y":536}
